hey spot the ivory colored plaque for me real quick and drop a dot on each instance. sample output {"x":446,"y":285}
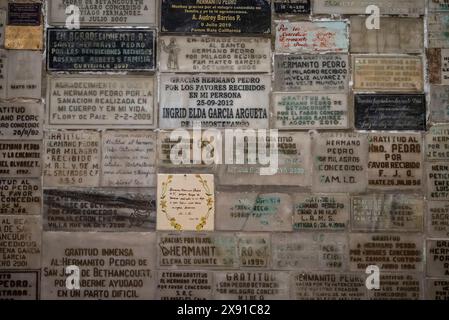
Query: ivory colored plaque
{"x":311,"y":37}
{"x":437,"y":258}
{"x":20,"y":196}
{"x":251,"y":285}
{"x":113,"y":266}
{"x":129,"y":159}
{"x":21,"y":121}
{"x":388,"y":73}
{"x":437,"y":180}
{"x":395,"y":161}
{"x":438,"y":219}
{"x":402,"y":7}
{"x":309,"y":251}
{"x":197,"y":250}
{"x":214,"y":54}
{"x":185,"y":202}
{"x":20,"y":159}
{"x":20,"y":243}
{"x":390,"y":252}
{"x":340,"y":162}
{"x":396,"y":35}
{"x":321,"y":212}
{"x":437,"y":143}
{"x":254,"y":250}
{"x":184,"y":285}
{"x":439,"y":103}
{"x":72,"y":158}
{"x":387,"y":212}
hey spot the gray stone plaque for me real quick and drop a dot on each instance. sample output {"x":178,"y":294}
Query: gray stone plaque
{"x":20,"y":159}
{"x":20,"y":196}
{"x":184,"y":285}
{"x":254,"y":250}
{"x":437,"y":258}
{"x":437,"y":181}
{"x":439,"y":103}
{"x":24,"y":74}
{"x":437,"y":143}
{"x":438,"y":219}
{"x":19,"y":285}
{"x":437,"y":24}
{"x":437,"y":289}
{"x":398,"y":286}
{"x":21,"y":120}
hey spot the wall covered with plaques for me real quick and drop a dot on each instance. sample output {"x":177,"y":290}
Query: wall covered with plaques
{"x":115,"y":137}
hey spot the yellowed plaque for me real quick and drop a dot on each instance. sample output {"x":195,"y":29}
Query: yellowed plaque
{"x":24,"y":37}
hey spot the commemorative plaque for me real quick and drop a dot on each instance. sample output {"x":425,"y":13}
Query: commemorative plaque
{"x":197,"y":250}
{"x":214,"y":54}
{"x":20,"y":242}
{"x":395,"y":161}
{"x":438,"y":181}
{"x":438,"y":5}
{"x":309,"y":251}
{"x":311,"y":72}
{"x":129,"y":159}
{"x":387,"y":212}
{"x":72,"y":158}
{"x":438,"y":65}
{"x":214,"y":101}
{"x":311,"y":37}
{"x":240,"y":211}
{"x":24,"y":74}
{"x":340,"y":162}
{"x":254,"y":250}
{"x":437,"y":289}
{"x":305,"y":111}
{"x":321,"y":212}
{"x":216,"y":16}
{"x":20,"y":159}
{"x":438,"y":219}
{"x":185,"y":202}
{"x":390,"y":252}
{"x":109,"y":210}
{"x":184,"y":285}
{"x":398,"y":286}
{"x":438,"y":258}
{"x":251,"y":285}
{"x":25,"y":28}
{"x":437,"y":24}
{"x":437,"y":143}
{"x":398,"y":7}
{"x":24,"y":14}
{"x":22,"y":121}
{"x":91,"y":102}
{"x":20,"y":196}
{"x":19,"y":285}
{"x":292,"y":6}
{"x":396,"y":35}
{"x":327,"y":286}
{"x":388,"y":73}
{"x":390,"y":112}
{"x":106,"y":49}
{"x":112,"y":266}
{"x":111,"y":13}
{"x":439,"y":103}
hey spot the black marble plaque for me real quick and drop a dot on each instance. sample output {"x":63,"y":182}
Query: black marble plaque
{"x":106,"y":49}
{"x":212,"y":17}
{"x":24,"y":14}
{"x":292,"y":6}
{"x":390,"y":112}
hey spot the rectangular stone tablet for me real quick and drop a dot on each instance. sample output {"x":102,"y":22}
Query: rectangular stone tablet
{"x":309,"y":251}
{"x":321,"y":212}
{"x":214,"y":54}
{"x":101,"y":101}
{"x":251,"y":211}
{"x":251,"y":285}
{"x":129,"y":159}
{"x":397,"y":112}
{"x":112,"y":266}
{"x":108,"y":210}
{"x":437,"y":180}
{"x":395,"y":161}
{"x":106,"y":49}
{"x":388,"y":73}
{"x":437,"y":289}
{"x":20,"y":159}
{"x":20,"y":285}
{"x":437,"y":143}
{"x":439,"y":103}
{"x":185,"y":202}
{"x":438,"y":5}
{"x":438,"y":65}
{"x":21,"y":121}
{"x":398,"y":7}
{"x":309,"y":72}
{"x":115,"y":13}
{"x":20,"y":242}
{"x":216,"y":17}
{"x":340,"y":162}
{"x":254,"y":250}
{"x":311,"y":36}
{"x":306,"y":111}
{"x":396,"y":35}
{"x":197,"y":250}
{"x":24,"y":74}
{"x":387,"y":212}
{"x":438,"y":219}
{"x":292,"y":6}
{"x":398,"y":286}
{"x":436,"y":30}
{"x":24,"y":14}
{"x":390,"y":252}
{"x":184,"y":285}
{"x":20,"y":196}
{"x":72,"y":158}
{"x":214,"y":101}
{"x":437,"y":258}
{"x":24,"y":38}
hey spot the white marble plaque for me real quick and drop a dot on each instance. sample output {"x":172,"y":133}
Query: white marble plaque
{"x":439,"y":103}
{"x":254,"y":250}
{"x":438,"y":219}
{"x":21,"y":121}
{"x":184,"y":285}
{"x":437,"y":181}
{"x":437,"y":143}
{"x":20,"y":196}
{"x":24,"y":74}
{"x":437,"y":258}
{"x":398,"y":286}
{"x":20,"y":159}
